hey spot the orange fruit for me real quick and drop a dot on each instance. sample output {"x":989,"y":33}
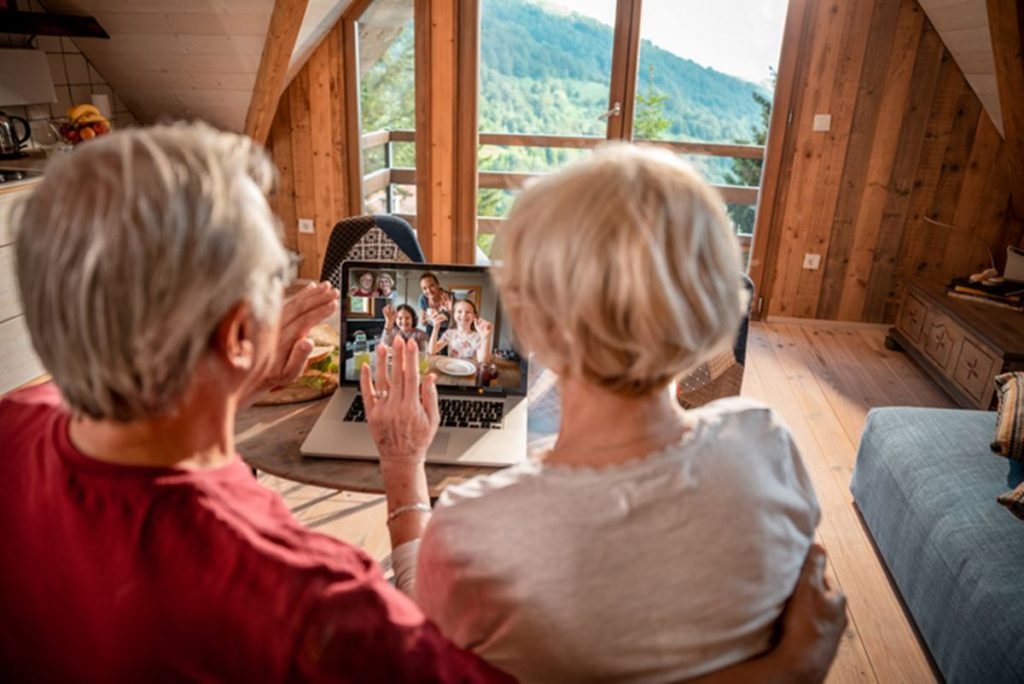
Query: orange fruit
{"x":87,"y":133}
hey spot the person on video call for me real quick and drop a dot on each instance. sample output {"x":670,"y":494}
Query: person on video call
{"x":434,"y":301}
{"x":660,"y":544}
{"x":471,"y":338}
{"x":400,"y":321}
{"x":364,"y":286}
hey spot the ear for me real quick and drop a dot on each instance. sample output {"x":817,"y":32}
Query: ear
{"x":232,"y":340}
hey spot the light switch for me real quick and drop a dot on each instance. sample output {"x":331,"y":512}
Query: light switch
{"x":812,"y":262}
{"x":306,"y":225}
{"x":822,"y":122}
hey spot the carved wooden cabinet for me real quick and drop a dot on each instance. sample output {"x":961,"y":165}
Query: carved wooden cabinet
{"x":961,"y":344}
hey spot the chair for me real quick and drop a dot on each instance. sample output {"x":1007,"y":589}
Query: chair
{"x":374,"y":237}
{"x":721,"y":375}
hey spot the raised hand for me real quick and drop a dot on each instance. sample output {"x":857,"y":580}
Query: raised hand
{"x":484,"y":327}
{"x":401,"y":413}
{"x":389,"y":316}
{"x":300,"y":312}
{"x":445,"y":301}
{"x":438,"y":318}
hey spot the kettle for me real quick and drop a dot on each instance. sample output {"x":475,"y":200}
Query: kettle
{"x":10,"y":141}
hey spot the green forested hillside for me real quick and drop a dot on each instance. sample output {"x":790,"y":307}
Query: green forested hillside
{"x":543,"y":71}
{"x":547,"y":72}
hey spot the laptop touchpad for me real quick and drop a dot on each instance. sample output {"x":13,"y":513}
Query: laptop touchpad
{"x":440,"y":444}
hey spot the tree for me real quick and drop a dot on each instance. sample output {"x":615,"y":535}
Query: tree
{"x":747,"y":172}
{"x":650,"y":122}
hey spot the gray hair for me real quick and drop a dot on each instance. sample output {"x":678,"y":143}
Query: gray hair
{"x":132,"y":250}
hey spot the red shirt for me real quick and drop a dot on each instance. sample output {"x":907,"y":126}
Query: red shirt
{"x":117,"y":573}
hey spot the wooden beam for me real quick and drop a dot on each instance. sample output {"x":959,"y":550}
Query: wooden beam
{"x":354,"y":162}
{"x":1006,"y":22}
{"x":767,"y":231}
{"x":466,"y":131}
{"x":285,"y":21}
{"x":436,"y":29}
{"x":625,"y":61}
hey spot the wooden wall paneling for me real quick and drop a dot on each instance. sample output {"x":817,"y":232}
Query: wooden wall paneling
{"x":285,"y":21}
{"x":779,"y":154}
{"x":841,"y":105}
{"x":917,"y":234}
{"x":467,"y":135}
{"x":837,"y":51}
{"x":302,"y":171}
{"x":825,"y":23}
{"x":342,"y":151}
{"x":351,"y":126}
{"x":1006,"y":22}
{"x":881,"y":288}
{"x":283,"y":199}
{"x":322,"y":140}
{"x":951,"y":178}
{"x":860,"y":150}
{"x":883,"y":148}
{"x":963,"y":254}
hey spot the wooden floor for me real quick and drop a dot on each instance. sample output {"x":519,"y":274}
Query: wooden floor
{"x":822,"y":378}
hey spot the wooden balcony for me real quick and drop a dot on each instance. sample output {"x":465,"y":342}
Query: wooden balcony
{"x":383,"y":179}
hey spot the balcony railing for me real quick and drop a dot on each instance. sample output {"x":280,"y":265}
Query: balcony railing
{"x":388,"y":176}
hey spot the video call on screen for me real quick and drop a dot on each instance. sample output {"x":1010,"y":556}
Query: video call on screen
{"x":453,"y":317}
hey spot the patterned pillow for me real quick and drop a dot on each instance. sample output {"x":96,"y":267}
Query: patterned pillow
{"x":1009,"y":440}
{"x":1014,"y":501}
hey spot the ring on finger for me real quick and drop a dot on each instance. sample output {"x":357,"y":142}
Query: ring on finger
{"x":380,"y":394}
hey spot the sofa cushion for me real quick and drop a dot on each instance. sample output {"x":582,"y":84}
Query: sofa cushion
{"x":926,"y":484}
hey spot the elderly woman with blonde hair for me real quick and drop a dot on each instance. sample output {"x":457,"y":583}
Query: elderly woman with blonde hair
{"x":649,"y":544}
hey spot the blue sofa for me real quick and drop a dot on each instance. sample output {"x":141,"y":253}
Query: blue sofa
{"x":926,"y":484}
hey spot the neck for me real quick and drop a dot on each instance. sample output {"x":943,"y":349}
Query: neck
{"x":600,"y":427}
{"x":196,"y":435}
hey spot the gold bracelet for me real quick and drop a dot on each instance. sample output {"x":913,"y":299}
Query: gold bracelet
{"x":409,"y":508}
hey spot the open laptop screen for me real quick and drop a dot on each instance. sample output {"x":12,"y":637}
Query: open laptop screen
{"x":453,"y":313}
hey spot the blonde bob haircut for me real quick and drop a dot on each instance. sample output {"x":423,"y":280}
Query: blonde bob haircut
{"x":133,"y":249}
{"x":621,"y":269}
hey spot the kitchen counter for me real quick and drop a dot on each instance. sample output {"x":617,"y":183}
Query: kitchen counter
{"x":35,"y":163}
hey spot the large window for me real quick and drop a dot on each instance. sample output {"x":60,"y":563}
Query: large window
{"x":558,"y":76}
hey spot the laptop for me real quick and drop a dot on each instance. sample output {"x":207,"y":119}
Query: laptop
{"x":483,"y":405}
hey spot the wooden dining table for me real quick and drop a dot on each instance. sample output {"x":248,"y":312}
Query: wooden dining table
{"x":269,"y":437}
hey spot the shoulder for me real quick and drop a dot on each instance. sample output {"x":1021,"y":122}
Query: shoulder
{"x":740,"y":416}
{"x":21,"y":410}
{"x":481,"y":498}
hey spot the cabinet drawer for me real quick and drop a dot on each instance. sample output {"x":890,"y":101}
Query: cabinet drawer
{"x":975,"y":369}
{"x":942,"y":339}
{"x":912,"y":316}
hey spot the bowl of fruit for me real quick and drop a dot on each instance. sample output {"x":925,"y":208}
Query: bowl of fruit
{"x":85,"y":122}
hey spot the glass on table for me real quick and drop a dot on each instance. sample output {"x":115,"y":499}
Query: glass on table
{"x":361,"y":351}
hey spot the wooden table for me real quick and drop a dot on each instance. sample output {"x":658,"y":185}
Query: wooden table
{"x":269,"y":437}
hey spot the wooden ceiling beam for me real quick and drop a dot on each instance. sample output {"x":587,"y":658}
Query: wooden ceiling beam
{"x":285,"y":21}
{"x":1006,"y":22}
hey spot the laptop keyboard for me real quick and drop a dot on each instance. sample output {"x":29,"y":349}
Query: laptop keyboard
{"x":461,"y":413}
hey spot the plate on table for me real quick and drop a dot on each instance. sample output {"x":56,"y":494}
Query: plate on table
{"x":450,"y":366}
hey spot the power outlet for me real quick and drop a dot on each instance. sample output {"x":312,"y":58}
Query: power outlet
{"x":822,"y":122}
{"x":812,"y":262}
{"x":306,"y":226}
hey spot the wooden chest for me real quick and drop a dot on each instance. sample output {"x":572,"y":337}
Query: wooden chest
{"x":961,"y":344}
